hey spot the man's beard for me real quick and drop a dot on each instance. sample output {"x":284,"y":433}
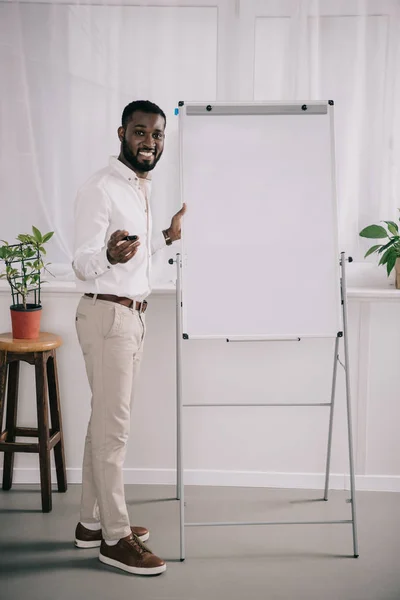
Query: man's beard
{"x":134,"y":162}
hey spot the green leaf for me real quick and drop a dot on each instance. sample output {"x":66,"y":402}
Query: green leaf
{"x":391,"y":243}
{"x":372,"y":250}
{"x":37,"y":234}
{"x":390,"y":263}
{"x":374,"y":232}
{"x":24,"y":238}
{"x":393,"y":227}
{"x":385,"y":256}
{"x":47,"y":237}
{"x":42,"y":250}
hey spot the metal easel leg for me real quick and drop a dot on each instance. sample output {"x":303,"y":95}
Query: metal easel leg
{"x":178,"y":384}
{"x":348,"y":402}
{"x":333,"y":394}
{"x":179,"y":478}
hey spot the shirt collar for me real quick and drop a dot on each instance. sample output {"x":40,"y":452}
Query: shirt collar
{"x":125,"y":171}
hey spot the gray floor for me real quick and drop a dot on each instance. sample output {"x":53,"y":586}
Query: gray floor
{"x":39,"y":562}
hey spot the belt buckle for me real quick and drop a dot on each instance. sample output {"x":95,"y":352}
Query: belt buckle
{"x":143,"y":306}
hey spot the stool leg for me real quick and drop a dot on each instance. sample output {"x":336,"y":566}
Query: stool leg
{"x":3,"y":385}
{"x":43,"y":430}
{"x":11,"y":421}
{"x":56,"y":421}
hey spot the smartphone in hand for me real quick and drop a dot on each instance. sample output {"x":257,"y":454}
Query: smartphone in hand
{"x":130,"y":238}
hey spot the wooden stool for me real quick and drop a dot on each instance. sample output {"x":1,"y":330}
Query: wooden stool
{"x":42,"y":354}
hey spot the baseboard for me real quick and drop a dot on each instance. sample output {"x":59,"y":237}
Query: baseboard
{"x":338,"y":481}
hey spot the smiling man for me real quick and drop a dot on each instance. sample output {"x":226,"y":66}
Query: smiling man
{"x":136,"y":152}
{"x":112,"y":262}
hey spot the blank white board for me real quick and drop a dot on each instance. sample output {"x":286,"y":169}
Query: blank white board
{"x":260,"y":246}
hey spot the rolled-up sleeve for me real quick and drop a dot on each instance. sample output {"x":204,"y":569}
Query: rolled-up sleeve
{"x":157,"y":242}
{"x":91,"y":224}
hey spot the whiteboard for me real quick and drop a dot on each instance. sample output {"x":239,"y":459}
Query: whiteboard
{"x":260,"y":255}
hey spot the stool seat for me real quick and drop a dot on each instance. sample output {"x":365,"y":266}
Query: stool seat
{"x":45,"y":341}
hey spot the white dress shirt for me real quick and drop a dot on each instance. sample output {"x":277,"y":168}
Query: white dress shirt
{"x":114,"y":198}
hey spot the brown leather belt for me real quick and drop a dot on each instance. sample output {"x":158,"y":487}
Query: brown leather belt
{"x":140,"y":306}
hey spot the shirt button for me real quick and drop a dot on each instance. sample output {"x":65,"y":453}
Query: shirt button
{"x":95,"y":272}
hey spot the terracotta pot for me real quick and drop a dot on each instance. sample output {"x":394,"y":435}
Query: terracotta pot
{"x":25,"y":321}
{"x":397,"y":271}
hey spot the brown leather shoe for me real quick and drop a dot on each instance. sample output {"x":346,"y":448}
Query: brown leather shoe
{"x":86,"y":538}
{"x":131,"y":555}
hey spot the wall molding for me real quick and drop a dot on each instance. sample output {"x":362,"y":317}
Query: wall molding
{"x":338,"y":481}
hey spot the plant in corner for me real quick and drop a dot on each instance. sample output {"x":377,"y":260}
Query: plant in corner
{"x":390,"y":250}
{"x":23,"y":270}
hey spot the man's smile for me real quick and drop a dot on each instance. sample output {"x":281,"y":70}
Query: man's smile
{"x":147,"y":153}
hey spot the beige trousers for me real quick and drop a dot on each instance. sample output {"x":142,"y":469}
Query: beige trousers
{"x":111,"y":337}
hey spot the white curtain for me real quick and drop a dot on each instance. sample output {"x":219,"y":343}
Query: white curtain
{"x":67,"y":71}
{"x":349,"y":52}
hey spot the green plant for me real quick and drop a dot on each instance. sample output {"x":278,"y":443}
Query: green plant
{"x":24,"y":265}
{"x":389,"y":251}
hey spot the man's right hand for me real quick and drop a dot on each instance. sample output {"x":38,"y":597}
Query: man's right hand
{"x":119,"y":250}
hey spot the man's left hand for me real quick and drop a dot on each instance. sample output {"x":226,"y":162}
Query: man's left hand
{"x":174,"y":231}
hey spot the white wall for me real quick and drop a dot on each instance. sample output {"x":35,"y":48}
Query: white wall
{"x":237,"y":446}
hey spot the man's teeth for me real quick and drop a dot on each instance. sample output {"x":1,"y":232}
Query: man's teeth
{"x":146,"y":154}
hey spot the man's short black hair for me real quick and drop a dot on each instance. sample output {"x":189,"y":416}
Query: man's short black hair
{"x":144,"y":106}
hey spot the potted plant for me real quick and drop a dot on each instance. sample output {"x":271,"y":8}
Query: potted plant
{"x":23,"y":268}
{"x":389,"y":250}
